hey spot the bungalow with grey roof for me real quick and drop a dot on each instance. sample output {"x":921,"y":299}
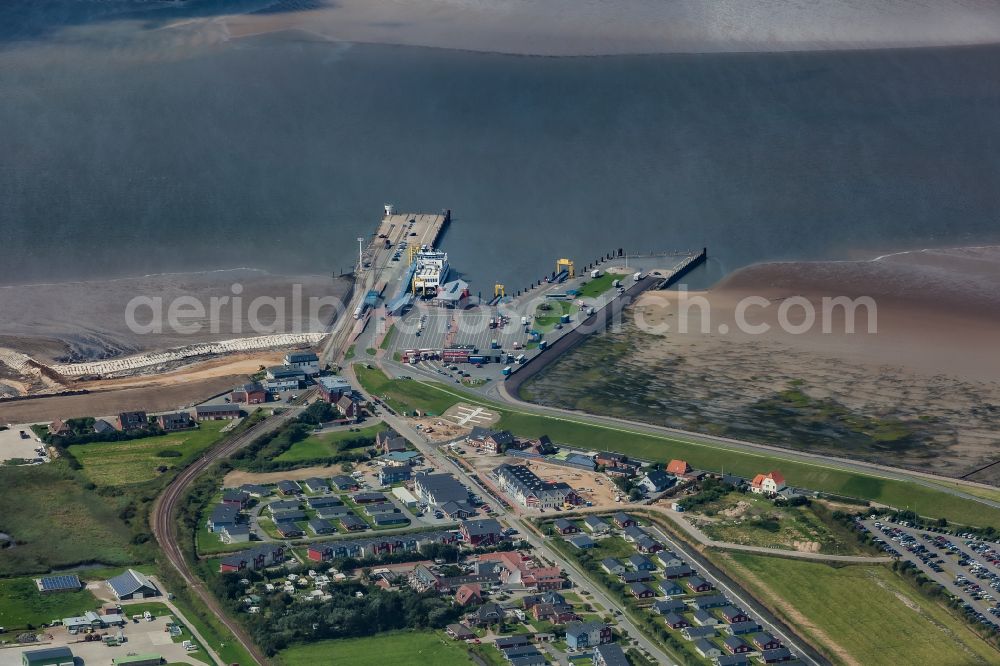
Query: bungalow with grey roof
{"x":321,"y":526}
{"x":255,"y":490}
{"x":613,"y":566}
{"x":623,"y":520}
{"x":676,"y":621}
{"x":641,"y":591}
{"x":288,"y":516}
{"x":344,"y":482}
{"x":698,"y":584}
{"x":596,"y":525}
{"x":235,"y":534}
{"x":223,"y":515}
{"x":288,"y":530}
{"x":735,"y":645}
{"x":695,"y":633}
{"x":630,"y":577}
{"x":776,"y":655}
{"x":765,"y":641}
{"x":680,"y":571}
{"x":563,"y":526}
{"x":707,"y":649}
{"x":333,"y":512}
{"x":641,"y":563}
{"x":632,"y":533}
{"x":352,"y":523}
{"x":668,"y":558}
{"x":709,"y":601}
{"x":383,"y":519}
{"x":705,"y":619}
{"x":456,"y":511}
{"x":283,"y":505}
{"x":368,"y":498}
{"x":325,"y":501}
{"x":742,"y":628}
{"x":314,"y":484}
{"x":669,"y":606}
{"x":609,"y":654}
{"x":671,"y":588}
{"x":731,"y":660}
{"x":734,"y":614}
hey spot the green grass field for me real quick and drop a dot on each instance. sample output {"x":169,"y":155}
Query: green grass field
{"x":325,"y":445}
{"x":596,"y":286}
{"x":21,"y":604}
{"x":389,"y":336}
{"x":927,"y":501}
{"x":56,"y":522}
{"x":759,"y":522}
{"x":545,"y":320}
{"x":866,"y":612}
{"x":124,"y":463}
{"x":404,"y":647}
{"x":404,"y":395}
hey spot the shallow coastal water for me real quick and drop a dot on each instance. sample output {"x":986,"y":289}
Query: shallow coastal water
{"x":128,"y":152}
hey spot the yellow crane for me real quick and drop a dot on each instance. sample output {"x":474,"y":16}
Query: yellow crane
{"x":567,"y":265}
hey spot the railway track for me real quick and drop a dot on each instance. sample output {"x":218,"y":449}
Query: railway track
{"x":164,"y":518}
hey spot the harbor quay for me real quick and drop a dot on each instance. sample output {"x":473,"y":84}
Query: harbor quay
{"x":412,"y":310}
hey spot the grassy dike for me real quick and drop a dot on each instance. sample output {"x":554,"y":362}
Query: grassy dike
{"x":924,"y":500}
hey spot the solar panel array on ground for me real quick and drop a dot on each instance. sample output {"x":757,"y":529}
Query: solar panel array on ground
{"x":59,"y":583}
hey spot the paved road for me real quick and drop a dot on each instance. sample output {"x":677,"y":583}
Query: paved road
{"x":741,"y":598}
{"x":678,"y":519}
{"x":164,"y":520}
{"x":498,"y":391}
{"x":431,"y":452}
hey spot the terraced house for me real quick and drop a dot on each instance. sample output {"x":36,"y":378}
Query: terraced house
{"x":525,"y":488}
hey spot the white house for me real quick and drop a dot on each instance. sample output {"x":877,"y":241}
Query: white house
{"x":768,"y":484}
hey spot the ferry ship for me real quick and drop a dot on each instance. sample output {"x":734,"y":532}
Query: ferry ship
{"x":430,"y":273}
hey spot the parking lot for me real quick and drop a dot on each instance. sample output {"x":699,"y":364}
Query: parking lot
{"x":436,"y":328}
{"x":15,"y":445}
{"x":141,"y":638}
{"x":967,"y":567}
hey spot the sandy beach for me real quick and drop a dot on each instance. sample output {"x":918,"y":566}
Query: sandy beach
{"x":921,"y":392}
{"x":74,"y":323}
{"x":85,"y":321}
{"x":593,"y":27}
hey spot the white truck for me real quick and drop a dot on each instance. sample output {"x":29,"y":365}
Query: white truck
{"x":637,"y":276}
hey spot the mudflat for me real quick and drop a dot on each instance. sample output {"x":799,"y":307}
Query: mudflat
{"x":921,"y":392}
